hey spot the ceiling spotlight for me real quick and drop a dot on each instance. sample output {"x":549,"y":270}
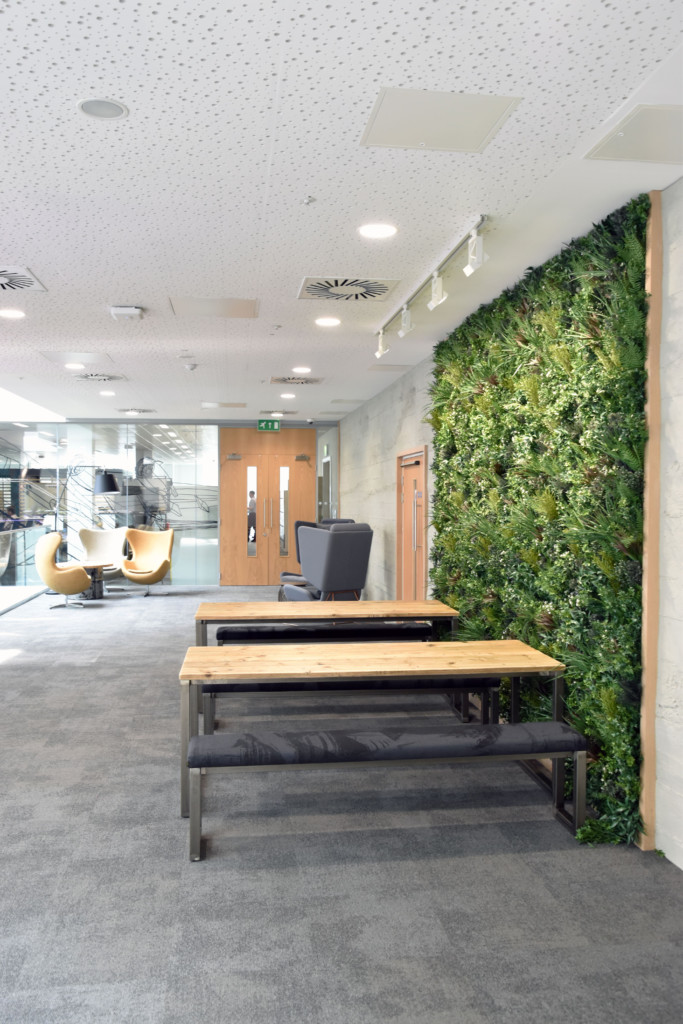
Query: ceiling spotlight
{"x":438,"y":294}
{"x":190,"y":366}
{"x":74,"y":366}
{"x":301,"y":369}
{"x":105,"y":110}
{"x":407,"y":324}
{"x":308,"y":200}
{"x":475,"y":254}
{"x":288,"y":394}
{"x":328,"y":321}
{"x":377,"y":230}
{"x":12,"y":314}
{"x":126,"y":312}
{"x":107,"y":394}
{"x":382,"y":347}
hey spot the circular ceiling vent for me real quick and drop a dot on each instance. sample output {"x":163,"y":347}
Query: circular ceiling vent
{"x":345,"y":288}
{"x":98,"y":378}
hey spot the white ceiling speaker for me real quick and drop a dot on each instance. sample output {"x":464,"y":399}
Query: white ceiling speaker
{"x":126,"y":312}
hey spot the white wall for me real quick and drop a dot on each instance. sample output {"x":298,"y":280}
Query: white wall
{"x":669,"y":716}
{"x":371,"y":438}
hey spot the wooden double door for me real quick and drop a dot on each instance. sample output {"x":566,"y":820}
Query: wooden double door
{"x":267,"y":483}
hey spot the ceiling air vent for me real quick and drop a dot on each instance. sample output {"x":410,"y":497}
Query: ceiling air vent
{"x":296,"y":380}
{"x":18,"y":279}
{"x":343,"y":289}
{"x":97,"y":378}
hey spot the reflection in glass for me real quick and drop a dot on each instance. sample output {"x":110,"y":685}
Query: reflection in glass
{"x":251,"y":511}
{"x":284,"y":509}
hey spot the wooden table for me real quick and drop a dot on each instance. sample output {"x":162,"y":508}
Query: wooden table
{"x":272,"y":612}
{"x":336,"y":663}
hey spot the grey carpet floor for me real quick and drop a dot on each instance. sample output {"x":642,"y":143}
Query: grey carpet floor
{"x":446,"y":895}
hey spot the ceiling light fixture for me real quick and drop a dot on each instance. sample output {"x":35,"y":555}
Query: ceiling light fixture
{"x":475,"y":253}
{"x":74,"y":366}
{"x":377,"y":230}
{"x":328,"y":321}
{"x":438,"y":294}
{"x":12,"y":314}
{"x":433,"y":278}
{"x":288,"y":395}
{"x":107,"y":394}
{"x":301,"y":369}
{"x":382,"y":347}
{"x":24,"y":425}
{"x":407,"y":324}
{"x":126,"y":312}
{"x":105,"y":110}
{"x":277,"y":415}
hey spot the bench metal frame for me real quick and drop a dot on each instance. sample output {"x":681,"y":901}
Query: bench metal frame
{"x":579,"y":757}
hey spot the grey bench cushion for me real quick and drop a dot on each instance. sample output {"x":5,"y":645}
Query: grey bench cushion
{"x":234,"y":749}
{"x":474,"y":684}
{"x":322,"y":632}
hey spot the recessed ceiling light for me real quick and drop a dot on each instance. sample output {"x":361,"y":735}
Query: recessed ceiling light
{"x":157,"y":435}
{"x":301,"y":369}
{"x":106,"y":110}
{"x":165,"y":442}
{"x":171,"y":434}
{"x":328,"y":321}
{"x":74,"y":366}
{"x":277,"y":415}
{"x":288,"y":395}
{"x":12,"y":314}
{"x":164,"y":426}
{"x":24,"y":425}
{"x":132,"y":412}
{"x":377,"y":230}
{"x":107,"y":394}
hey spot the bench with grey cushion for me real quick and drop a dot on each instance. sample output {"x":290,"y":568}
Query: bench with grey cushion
{"x":353,"y":746}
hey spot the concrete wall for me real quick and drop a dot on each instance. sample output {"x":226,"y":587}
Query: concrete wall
{"x":370,"y":440}
{"x":669,"y":717}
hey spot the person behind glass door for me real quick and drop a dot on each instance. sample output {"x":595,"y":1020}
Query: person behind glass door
{"x":251,"y":516}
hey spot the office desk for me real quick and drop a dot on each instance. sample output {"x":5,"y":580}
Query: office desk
{"x":272,"y":612}
{"x":333,"y":664}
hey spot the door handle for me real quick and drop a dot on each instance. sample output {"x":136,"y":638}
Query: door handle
{"x":264,"y":517}
{"x":271,"y":513}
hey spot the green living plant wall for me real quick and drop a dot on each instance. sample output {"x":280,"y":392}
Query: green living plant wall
{"x":539,"y":433}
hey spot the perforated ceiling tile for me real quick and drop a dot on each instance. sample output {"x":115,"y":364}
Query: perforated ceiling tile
{"x":236,"y":115}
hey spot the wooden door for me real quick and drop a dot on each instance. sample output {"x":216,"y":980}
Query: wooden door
{"x":280,"y":470}
{"x":411,"y":532}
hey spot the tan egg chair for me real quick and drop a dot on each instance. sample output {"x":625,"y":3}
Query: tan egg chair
{"x":63,"y":579}
{"x":107,"y":548}
{"x":150,"y":556}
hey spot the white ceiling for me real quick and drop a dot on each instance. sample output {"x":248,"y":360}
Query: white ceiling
{"x":237,"y":115}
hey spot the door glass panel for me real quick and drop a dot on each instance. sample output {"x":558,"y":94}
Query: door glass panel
{"x":284,"y":510}
{"x":251,"y":511}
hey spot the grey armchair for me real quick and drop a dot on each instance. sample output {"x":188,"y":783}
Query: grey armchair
{"x":334,"y":561}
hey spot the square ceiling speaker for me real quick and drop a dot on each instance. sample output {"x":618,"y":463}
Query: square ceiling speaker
{"x":652,"y":134}
{"x":449,"y":121}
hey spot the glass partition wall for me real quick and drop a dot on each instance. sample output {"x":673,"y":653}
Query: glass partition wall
{"x":68,"y":476}
{"x":150,"y":476}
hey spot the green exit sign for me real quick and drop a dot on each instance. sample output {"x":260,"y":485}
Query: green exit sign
{"x":268,"y":424}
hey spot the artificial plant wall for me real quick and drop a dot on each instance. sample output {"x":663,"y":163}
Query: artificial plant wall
{"x":539,"y":431}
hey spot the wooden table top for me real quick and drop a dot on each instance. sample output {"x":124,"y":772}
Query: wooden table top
{"x":290,"y":611}
{"x":366,"y":660}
